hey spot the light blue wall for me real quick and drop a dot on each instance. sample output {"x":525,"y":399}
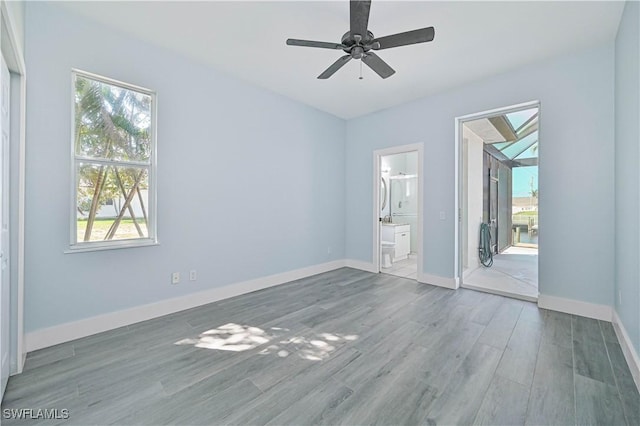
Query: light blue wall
{"x":627,"y":175}
{"x":249,"y":183}
{"x":576,"y":168}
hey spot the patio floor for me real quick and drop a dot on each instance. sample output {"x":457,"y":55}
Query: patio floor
{"x":514,"y":273}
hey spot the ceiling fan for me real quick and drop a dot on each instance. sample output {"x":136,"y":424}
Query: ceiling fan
{"x":359,"y":42}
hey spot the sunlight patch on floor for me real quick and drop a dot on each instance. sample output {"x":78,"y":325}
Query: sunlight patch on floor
{"x":313,"y":348}
{"x":229,"y":337}
{"x":239,"y":338}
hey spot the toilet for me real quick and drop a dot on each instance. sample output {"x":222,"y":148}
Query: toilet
{"x":388,"y":251}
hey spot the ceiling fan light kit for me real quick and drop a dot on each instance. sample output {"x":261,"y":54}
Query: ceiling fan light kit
{"x":359,"y":42}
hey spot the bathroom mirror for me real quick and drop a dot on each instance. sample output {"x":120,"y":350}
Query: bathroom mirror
{"x":383,"y":194}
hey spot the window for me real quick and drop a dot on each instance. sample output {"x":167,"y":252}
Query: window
{"x":113,"y":142}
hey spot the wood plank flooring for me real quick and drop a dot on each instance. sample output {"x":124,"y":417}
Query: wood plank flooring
{"x":344,"y":347}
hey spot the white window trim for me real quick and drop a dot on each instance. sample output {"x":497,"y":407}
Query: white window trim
{"x":152,"y":239}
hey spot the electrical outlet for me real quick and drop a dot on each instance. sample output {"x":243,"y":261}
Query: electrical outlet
{"x":620,"y":297}
{"x":329,"y":250}
{"x":442,"y":216}
{"x":175,"y":278}
{"x":193,"y":275}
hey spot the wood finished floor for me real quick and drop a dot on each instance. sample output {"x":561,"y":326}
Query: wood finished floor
{"x":344,"y":347}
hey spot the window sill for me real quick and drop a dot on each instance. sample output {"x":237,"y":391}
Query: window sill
{"x":111,"y":246}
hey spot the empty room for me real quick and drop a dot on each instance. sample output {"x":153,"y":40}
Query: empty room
{"x":320,"y":212}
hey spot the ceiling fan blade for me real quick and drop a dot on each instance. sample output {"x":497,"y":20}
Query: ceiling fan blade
{"x":378,"y":65}
{"x":359,"y":13}
{"x":311,"y":43}
{"x":335,"y":67}
{"x":402,"y":39}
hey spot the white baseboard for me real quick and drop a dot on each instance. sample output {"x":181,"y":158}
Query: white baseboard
{"x":575,"y":307}
{"x":630,"y":354}
{"x":446,"y":282}
{"x":86,"y":327}
{"x":360,"y":264}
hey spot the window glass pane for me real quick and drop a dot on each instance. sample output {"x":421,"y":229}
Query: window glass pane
{"x":516,"y":148}
{"x":532,"y":152}
{"x":112,"y":202}
{"x":518,"y":118}
{"x":501,"y":145}
{"x":111,"y":122}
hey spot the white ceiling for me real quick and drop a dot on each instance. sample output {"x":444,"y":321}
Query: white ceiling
{"x":473,"y":40}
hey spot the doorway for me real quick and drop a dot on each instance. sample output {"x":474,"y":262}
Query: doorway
{"x":498,"y":201}
{"x":398,"y":211}
{"x":12,"y":184}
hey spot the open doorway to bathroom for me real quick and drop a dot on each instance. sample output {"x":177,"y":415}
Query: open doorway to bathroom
{"x":398,"y":211}
{"x":498,"y":200}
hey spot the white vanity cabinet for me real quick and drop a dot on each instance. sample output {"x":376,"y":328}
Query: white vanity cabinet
{"x":400,"y":234}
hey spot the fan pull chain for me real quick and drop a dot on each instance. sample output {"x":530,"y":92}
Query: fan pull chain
{"x":360,"y":78}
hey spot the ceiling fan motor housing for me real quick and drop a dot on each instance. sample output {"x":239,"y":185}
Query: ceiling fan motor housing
{"x":356,"y":45}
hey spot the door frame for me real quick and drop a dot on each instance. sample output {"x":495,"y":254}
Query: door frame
{"x":459,"y":168}
{"x":377,"y":174}
{"x":14,"y":56}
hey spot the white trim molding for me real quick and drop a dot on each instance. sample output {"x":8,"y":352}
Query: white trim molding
{"x":575,"y":307}
{"x":14,"y":48}
{"x":437,"y":280}
{"x":630,"y":354}
{"x":86,"y":327}
{"x":361,"y":265}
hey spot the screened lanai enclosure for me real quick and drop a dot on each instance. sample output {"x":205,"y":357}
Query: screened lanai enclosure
{"x":510,"y":156}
